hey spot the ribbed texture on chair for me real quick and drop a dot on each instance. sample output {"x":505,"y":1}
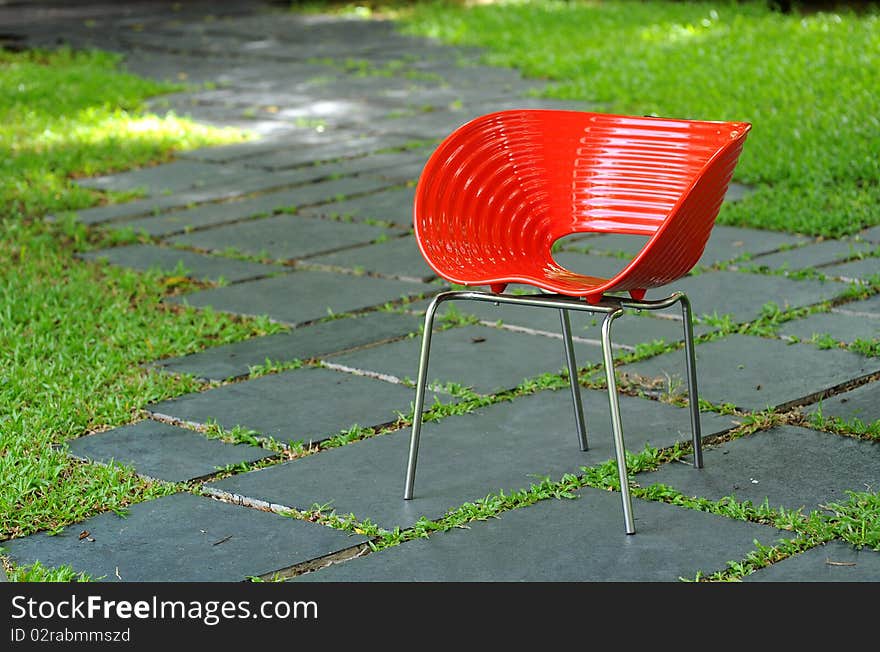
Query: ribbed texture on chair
{"x":501,"y":189}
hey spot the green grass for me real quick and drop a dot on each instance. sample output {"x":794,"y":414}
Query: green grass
{"x":807,"y":83}
{"x":73,"y":335}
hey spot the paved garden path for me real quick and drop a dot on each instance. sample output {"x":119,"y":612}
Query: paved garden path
{"x":312,"y":221}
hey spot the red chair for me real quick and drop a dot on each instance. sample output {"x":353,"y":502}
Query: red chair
{"x":502,"y":189}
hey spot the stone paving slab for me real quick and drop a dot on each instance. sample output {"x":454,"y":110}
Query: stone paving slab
{"x":294,"y":138}
{"x":282,"y":237}
{"x":253,"y":120}
{"x":726,"y":243}
{"x":224,"y":190}
{"x":393,"y":205}
{"x":198,"y":266}
{"x":395,"y":257}
{"x":439,"y":123}
{"x":288,"y":158}
{"x":872,"y":234}
{"x":591,"y":264}
{"x":834,"y":561}
{"x":177,"y":67}
{"x":506,"y":446}
{"x":816,"y":254}
{"x":856,"y":270}
{"x":206,"y":212}
{"x":308,"y":404}
{"x":842,"y":328}
{"x":556,"y":540}
{"x":789,"y":466}
{"x":754,"y":373}
{"x":235,"y":360}
{"x":408,"y":173}
{"x":336,"y":112}
{"x":486,"y":359}
{"x":304,"y":296}
{"x":216,"y":214}
{"x":862,"y":403}
{"x":865,"y":308}
{"x":418,"y":96}
{"x":165,"y":178}
{"x":182,"y":538}
{"x":163,"y":451}
{"x":399,"y":167}
{"x":743,"y":295}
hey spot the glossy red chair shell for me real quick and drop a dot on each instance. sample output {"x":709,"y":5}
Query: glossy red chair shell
{"x":502,"y":189}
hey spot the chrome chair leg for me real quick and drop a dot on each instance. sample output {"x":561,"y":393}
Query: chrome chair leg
{"x":616,"y":425}
{"x":693,"y":396}
{"x":573,"y":379}
{"x":421,"y":386}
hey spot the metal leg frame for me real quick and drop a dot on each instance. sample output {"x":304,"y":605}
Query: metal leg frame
{"x":612,"y":308}
{"x":573,"y":380}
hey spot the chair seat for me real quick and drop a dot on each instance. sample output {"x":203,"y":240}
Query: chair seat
{"x":499,"y":191}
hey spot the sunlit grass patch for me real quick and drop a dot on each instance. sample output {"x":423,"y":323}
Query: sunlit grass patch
{"x":66,"y":114}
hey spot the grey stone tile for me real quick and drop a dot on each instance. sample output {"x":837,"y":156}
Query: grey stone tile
{"x":235,"y":360}
{"x":738,"y":191}
{"x":834,"y":561}
{"x":811,"y":255}
{"x":227,"y":189}
{"x":282,"y":237}
{"x":308,"y":404}
{"x":394,"y":166}
{"x":404,"y":172}
{"x":155,"y":205}
{"x":856,"y":270}
{"x":872,"y":234}
{"x":486,"y":359}
{"x":304,"y":296}
{"x":394,"y":205}
{"x":862,"y":403}
{"x":168,"y":177}
{"x":754,"y":373}
{"x":788,"y":466}
{"x":182,"y":538}
{"x":503,"y":447}
{"x":336,"y":111}
{"x":731,"y":242}
{"x":249,"y":151}
{"x":395,"y":257}
{"x":162,"y":451}
{"x":213,"y":214}
{"x":349,"y":148}
{"x":843,"y":328}
{"x":441,"y":122}
{"x":864,"y":308}
{"x":726,"y":243}
{"x":198,"y":266}
{"x":743,"y":295}
{"x":591,"y":264}
{"x":545,"y":542}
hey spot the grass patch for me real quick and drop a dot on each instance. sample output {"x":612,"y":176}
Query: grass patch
{"x":74,"y":335}
{"x":807,"y":82}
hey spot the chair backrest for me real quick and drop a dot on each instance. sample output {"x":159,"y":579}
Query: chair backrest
{"x":500,"y":190}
